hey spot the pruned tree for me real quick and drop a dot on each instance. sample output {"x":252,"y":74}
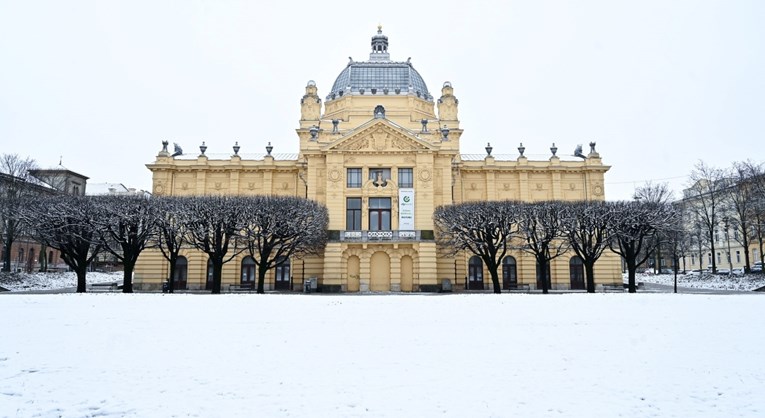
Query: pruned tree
{"x":172,"y":230}
{"x":215,"y":230}
{"x":742,"y":200}
{"x":633,"y":230}
{"x":541,"y":227}
{"x":16,"y":183}
{"x":67,"y":224}
{"x":587,"y":228}
{"x":126,"y":226}
{"x":705,"y":197}
{"x":275,"y":228}
{"x":485,"y":229}
{"x":655,"y":193}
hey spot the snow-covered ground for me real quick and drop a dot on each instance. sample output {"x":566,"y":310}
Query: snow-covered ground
{"x":52,"y":281}
{"x":574,"y":355}
{"x":706,"y":281}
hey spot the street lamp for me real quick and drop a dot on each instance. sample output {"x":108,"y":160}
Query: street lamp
{"x":726,"y":222}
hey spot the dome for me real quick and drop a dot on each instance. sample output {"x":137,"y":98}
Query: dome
{"x":379,"y":75}
{"x":396,"y":77}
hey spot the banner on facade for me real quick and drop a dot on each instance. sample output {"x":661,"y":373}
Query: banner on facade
{"x":406,"y":209}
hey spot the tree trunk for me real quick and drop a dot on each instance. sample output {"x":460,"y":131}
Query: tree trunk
{"x":127,"y":277}
{"x":495,"y":280}
{"x":43,"y":258}
{"x":81,"y":284}
{"x":745,"y":241}
{"x":171,"y":279}
{"x":217,"y":275}
{"x":712,"y":249}
{"x":8,"y":242}
{"x":542,"y":263}
{"x":589,"y":269}
{"x":262,"y":270}
{"x":631,"y":268}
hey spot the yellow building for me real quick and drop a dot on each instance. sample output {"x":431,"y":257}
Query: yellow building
{"x":381,"y":152}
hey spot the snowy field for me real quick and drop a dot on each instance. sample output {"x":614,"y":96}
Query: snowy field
{"x":574,"y":355}
{"x":706,"y":281}
{"x":52,"y":281}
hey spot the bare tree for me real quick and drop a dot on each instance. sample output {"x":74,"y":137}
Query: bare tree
{"x":542,"y":228}
{"x":66,"y":223}
{"x":705,"y":198}
{"x":15,"y":184}
{"x":587,"y":228}
{"x":126,"y":226}
{"x":481,"y":228}
{"x":742,"y":200}
{"x":276,"y":228}
{"x":214,"y":230}
{"x":756,"y":212}
{"x":655,"y":193}
{"x":677,"y":237}
{"x":634,"y":227}
{"x":172,"y":230}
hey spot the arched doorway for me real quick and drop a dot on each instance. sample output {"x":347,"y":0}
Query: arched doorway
{"x":248,"y":271}
{"x":209,"y":284}
{"x":282,"y":279}
{"x":354,"y":268}
{"x":475,"y":273}
{"x":576,"y":272}
{"x":407,"y":272}
{"x":509,"y":273}
{"x":379,"y":280}
{"x":539,"y":276}
{"x":180,"y":276}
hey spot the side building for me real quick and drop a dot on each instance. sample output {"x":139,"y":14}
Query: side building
{"x":381,"y":152}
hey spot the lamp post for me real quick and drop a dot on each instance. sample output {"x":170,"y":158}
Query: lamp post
{"x":726,"y":223}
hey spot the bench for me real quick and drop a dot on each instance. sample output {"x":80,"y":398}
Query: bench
{"x":524,"y":287}
{"x":242,"y":287}
{"x":104,"y":287}
{"x":613,"y":288}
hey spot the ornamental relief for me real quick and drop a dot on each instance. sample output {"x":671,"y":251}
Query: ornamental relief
{"x":334,"y":175}
{"x":425,"y":175}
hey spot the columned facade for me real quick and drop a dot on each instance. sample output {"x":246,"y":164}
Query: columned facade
{"x":381,"y":152}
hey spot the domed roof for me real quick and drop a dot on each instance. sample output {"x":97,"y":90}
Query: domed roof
{"x":379,"y":75}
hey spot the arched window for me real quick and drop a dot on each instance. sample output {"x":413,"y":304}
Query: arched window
{"x":509,"y":273}
{"x":282,"y":278}
{"x":208,"y":285}
{"x":248,"y":270}
{"x":180,"y":277}
{"x":475,"y":273}
{"x":576,"y":273}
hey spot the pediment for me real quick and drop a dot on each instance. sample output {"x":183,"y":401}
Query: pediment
{"x":379,"y":136}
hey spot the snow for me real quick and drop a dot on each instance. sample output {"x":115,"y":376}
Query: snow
{"x":477,"y":355}
{"x":705,"y":281}
{"x":53,"y":281}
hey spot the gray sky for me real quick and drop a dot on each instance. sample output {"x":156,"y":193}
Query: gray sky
{"x":658,"y":84}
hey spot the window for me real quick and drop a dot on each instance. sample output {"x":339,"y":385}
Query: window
{"x":405,"y":177}
{"x":717,"y":236}
{"x":21,"y":255}
{"x":709,"y":256}
{"x":248,"y":270}
{"x":353,"y":214}
{"x":718,"y":257}
{"x":755,"y":254}
{"x":379,"y":214}
{"x":693,"y":259}
{"x":354,"y":177}
{"x":738,"y":256}
{"x":727,"y":255}
{"x":509,"y":273}
{"x":50,"y":257}
{"x":379,"y":176}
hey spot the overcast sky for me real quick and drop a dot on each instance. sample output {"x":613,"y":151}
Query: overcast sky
{"x":658,"y":85}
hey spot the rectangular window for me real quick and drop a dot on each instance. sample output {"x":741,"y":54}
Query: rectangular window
{"x":354,"y":177}
{"x":738,"y":256}
{"x":755,"y":255}
{"x":405,"y":177}
{"x":709,"y":255}
{"x":353,"y":214}
{"x":379,"y":214}
{"x":718,"y":257}
{"x":727,"y":255}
